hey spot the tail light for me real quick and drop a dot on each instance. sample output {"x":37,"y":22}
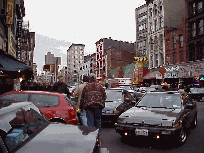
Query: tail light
{"x":72,"y":112}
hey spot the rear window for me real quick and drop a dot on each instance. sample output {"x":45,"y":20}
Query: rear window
{"x":42,"y":100}
{"x":16,"y":97}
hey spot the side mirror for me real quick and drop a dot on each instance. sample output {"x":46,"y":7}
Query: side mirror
{"x":127,"y":99}
{"x":189,"y":106}
{"x":133,"y":102}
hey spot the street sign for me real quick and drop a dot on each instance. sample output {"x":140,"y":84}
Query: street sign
{"x":162,"y":70}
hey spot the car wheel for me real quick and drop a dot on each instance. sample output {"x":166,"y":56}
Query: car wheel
{"x":182,"y":136}
{"x":195,"y":122}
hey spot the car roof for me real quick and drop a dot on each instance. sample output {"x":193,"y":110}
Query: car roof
{"x":34,"y":92}
{"x":13,"y":106}
{"x":164,"y":92}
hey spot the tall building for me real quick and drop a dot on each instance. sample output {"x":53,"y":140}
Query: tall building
{"x":195,"y":29}
{"x":162,"y":13}
{"x":141,"y":30}
{"x":49,"y":58}
{"x":75,"y":58}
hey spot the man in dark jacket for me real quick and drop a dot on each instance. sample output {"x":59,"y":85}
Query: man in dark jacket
{"x":61,"y":87}
{"x":93,"y":101}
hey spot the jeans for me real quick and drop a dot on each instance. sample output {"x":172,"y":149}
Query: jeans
{"x":94,"y":117}
{"x":83,"y":118}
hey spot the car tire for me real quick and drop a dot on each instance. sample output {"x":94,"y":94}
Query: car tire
{"x":194,"y":123}
{"x":182,"y":136}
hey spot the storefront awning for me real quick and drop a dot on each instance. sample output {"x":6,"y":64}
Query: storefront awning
{"x":10,"y":64}
{"x":152,"y":75}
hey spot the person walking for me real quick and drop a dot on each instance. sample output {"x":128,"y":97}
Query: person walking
{"x":61,"y":87}
{"x":77,"y":94}
{"x":46,"y":86}
{"x":93,"y":101}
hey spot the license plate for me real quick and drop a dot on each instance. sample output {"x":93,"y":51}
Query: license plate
{"x":143,"y":132}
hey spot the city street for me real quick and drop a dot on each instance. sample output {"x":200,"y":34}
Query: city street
{"x":194,"y":143}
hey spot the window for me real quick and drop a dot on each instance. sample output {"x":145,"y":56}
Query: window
{"x":194,"y":9}
{"x":168,"y":59}
{"x":167,"y":45}
{"x":181,"y":41}
{"x":161,"y":58}
{"x":161,"y":22}
{"x":155,"y":26}
{"x":151,"y":61}
{"x":174,"y":42}
{"x":161,"y":42}
{"x":200,"y":27}
{"x":16,"y":97}
{"x":194,"y":29}
{"x":174,"y":58}
{"x":41,"y":100}
{"x":200,"y":7}
{"x":157,"y":60}
{"x":181,"y":56}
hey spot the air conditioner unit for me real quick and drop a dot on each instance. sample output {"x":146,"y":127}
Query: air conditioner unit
{"x":3,"y":11}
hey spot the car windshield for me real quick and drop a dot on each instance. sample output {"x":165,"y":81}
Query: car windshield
{"x":42,"y":100}
{"x":126,"y":87}
{"x":18,"y":124}
{"x":114,"y":96}
{"x":161,"y":100}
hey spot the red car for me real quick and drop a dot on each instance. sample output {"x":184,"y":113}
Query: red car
{"x":57,"y":107}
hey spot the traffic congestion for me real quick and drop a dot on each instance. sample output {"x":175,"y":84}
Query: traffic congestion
{"x":101,"y":76}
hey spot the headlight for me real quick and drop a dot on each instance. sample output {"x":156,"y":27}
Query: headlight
{"x":177,"y":124}
{"x":109,"y":112}
{"x":115,"y":111}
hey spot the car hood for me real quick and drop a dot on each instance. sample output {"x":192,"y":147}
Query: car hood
{"x":152,"y":116}
{"x":111,"y":105}
{"x":62,"y":138}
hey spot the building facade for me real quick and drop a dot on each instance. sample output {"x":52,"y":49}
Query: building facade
{"x":175,"y":44}
{"x":141,"y":21}
{"x":49,"y":58}
{"x":195,"y":30}
{"x":161,"y":13}
{"x":102,"y":46}
{"x":75,"y":58}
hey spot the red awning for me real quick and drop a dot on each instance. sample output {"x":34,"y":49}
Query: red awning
{"x":152,"y":75}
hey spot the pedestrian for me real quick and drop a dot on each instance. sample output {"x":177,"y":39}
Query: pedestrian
{"x":77,"y":94}
{"x":46,"y":86}
{"x":93,"y":101}
{"x":61,"y":87}
{"x":24,"y":85}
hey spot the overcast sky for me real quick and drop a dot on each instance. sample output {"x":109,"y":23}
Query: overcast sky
{"x":82,"y":21}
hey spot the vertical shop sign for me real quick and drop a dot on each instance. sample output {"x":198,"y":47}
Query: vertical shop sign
{"x":19,"y":30}
{"x":140,"y":74}
{"x":9,"y":18}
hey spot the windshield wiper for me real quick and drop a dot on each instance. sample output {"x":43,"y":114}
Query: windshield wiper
{"x":108,"y":101}
{"x":163,"y":107}
{"x":140,"y":106}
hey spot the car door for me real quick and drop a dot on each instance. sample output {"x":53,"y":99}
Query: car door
{"x":189,"y":111}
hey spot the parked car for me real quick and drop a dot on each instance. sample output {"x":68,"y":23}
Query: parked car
{"x":197,"y":94}
{"x":115,"y":105}
{"x":23,"y":128}
{"x":159,"y":115}
{"x":57,"y":107}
